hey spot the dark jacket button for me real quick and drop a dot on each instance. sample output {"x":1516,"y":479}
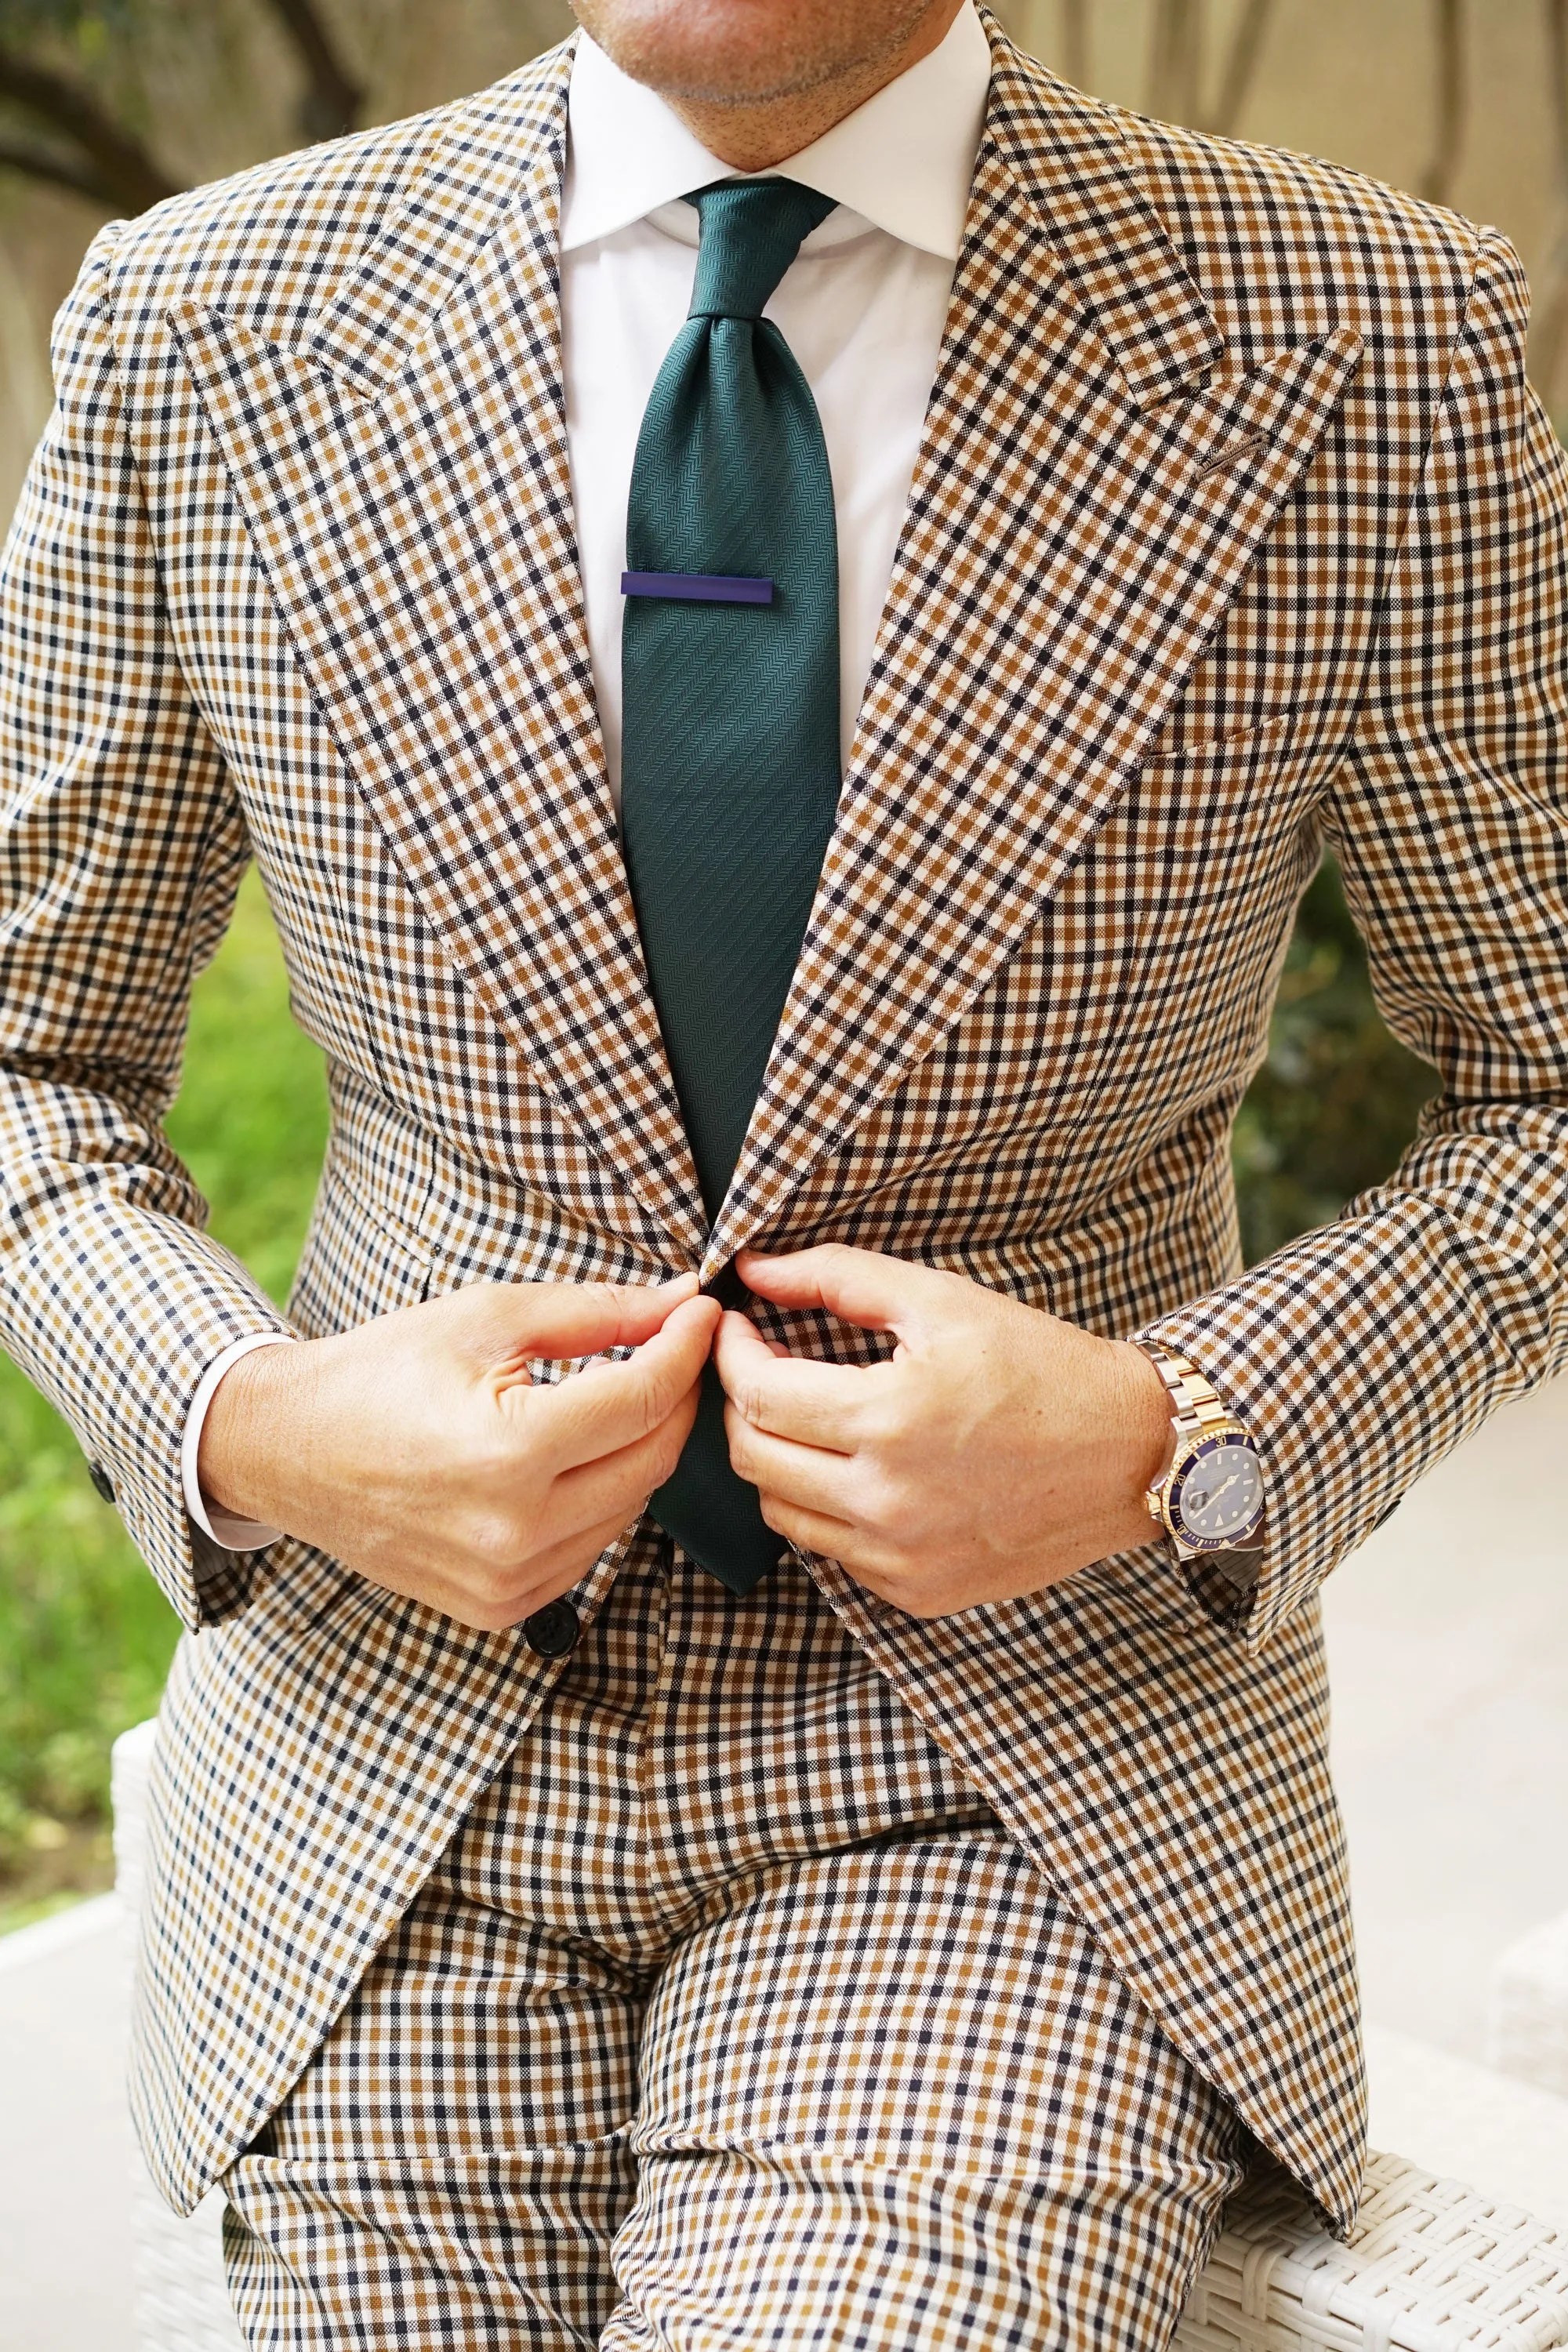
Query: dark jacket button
{"x":103,"y":1484}
{"x":552,"y":1631}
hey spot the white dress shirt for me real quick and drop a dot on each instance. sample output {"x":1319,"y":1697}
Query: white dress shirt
{"x":862,"y":308}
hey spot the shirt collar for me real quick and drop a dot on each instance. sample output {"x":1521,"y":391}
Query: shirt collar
{"x":903,"y":161}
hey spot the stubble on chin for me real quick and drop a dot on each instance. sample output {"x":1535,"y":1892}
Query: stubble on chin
{"x":748,"y":53}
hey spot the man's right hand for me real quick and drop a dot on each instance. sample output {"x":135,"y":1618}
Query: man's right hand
{"x":416,"y":1450}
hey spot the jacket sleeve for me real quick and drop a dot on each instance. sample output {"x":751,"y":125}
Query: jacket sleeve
{"x":122,"y":845}
{"x":1362,"y":1353}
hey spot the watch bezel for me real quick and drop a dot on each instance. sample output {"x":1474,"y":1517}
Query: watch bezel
{"x":1190,"y":1452}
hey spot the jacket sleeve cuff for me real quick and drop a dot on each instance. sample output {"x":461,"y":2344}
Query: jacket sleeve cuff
{"x":229,"y":1533}
{"x":1250,"y":1593}
{"x":125,"y":1370}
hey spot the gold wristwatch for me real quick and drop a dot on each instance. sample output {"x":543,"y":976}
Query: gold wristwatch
{"x":1210,"y":1501}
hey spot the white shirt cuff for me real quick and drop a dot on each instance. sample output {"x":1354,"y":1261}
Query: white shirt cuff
{"x":226,"y":1530}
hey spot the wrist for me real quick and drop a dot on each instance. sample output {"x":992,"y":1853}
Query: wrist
{"x":250,"y":1431}
{"x":1150,"y":1436}
{"x":1142,"y":1442}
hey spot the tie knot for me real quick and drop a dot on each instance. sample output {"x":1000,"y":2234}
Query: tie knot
{"x":751,"y":231}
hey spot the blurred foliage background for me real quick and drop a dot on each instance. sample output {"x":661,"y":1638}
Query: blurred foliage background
{"x":85,"y":1634}
{"x":108,"y":105}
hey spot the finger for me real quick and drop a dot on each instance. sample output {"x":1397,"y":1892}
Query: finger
{"x":549,"y":1574}
{"x":801,"y":1474}
{"x":863,"y":1286}
{"x":583,"y":1420}
{"x":621,"y":1481}
{"x":819,"y":1404}
{"x":833,"y":1538}
{"x":556,"y":1569}
{"x":559,"y":1319}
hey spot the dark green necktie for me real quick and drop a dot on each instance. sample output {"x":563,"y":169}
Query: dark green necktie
{"x":730,"y":771}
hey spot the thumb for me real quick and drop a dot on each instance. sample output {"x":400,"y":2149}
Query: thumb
{"x":590,"y":1418}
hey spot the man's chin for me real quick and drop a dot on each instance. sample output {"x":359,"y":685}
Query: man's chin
{"x":740,"y":53}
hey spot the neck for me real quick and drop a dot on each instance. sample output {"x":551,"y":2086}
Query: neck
{"x":754,"y":136}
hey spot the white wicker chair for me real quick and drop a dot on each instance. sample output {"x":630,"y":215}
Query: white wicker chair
{"x":1432,"y":2267}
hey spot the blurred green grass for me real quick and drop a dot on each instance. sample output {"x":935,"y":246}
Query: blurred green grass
{"x":85,"y":1634}
{"x":85,"y":1637}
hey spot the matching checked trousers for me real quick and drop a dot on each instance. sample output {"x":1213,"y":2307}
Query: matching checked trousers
{"x":732,"y":2017}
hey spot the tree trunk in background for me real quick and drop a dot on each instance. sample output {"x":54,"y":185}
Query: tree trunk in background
{"x":1549,"y":323}
{"x":1240,"y":66}
{"x":1448,"y":131}
{"x":1176,"y":60}
{"x":331,"y":101}
{"x":109,"y":163}
{"x":86,"y":147}
{"x":1074,"y":42}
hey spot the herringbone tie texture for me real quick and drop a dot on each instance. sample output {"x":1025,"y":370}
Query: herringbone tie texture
{"x":729,"y":762}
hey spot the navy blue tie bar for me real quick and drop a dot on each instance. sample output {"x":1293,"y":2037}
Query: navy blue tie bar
{"x":697,"y":587}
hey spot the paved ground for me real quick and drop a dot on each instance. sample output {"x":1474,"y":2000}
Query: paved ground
{"x":1449,"y":1640}
{"x":65,"y":2141}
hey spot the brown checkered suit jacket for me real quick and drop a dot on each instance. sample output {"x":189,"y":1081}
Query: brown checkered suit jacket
{"x":1236,"y":529}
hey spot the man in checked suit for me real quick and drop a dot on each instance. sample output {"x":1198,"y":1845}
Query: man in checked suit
{"x":783,"y":734}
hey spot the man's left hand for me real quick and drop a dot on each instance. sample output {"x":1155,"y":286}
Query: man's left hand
{"x":998,"y":1449}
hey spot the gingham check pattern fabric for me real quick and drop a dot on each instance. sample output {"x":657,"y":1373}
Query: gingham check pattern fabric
{"x":1236,"y":527}
{"x":732,"y":2016}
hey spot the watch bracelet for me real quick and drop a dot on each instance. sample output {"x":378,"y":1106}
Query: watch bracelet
{"x":1197,"y":1406}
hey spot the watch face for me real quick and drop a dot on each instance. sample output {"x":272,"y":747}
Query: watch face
{"x":1217,"y":1494}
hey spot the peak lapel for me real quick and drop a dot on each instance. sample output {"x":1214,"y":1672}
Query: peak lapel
{"x":404,"y":474}
{"x":1070,"y":546}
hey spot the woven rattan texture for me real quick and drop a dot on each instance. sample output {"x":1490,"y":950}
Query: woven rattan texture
{"x":1431,"y":2266}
